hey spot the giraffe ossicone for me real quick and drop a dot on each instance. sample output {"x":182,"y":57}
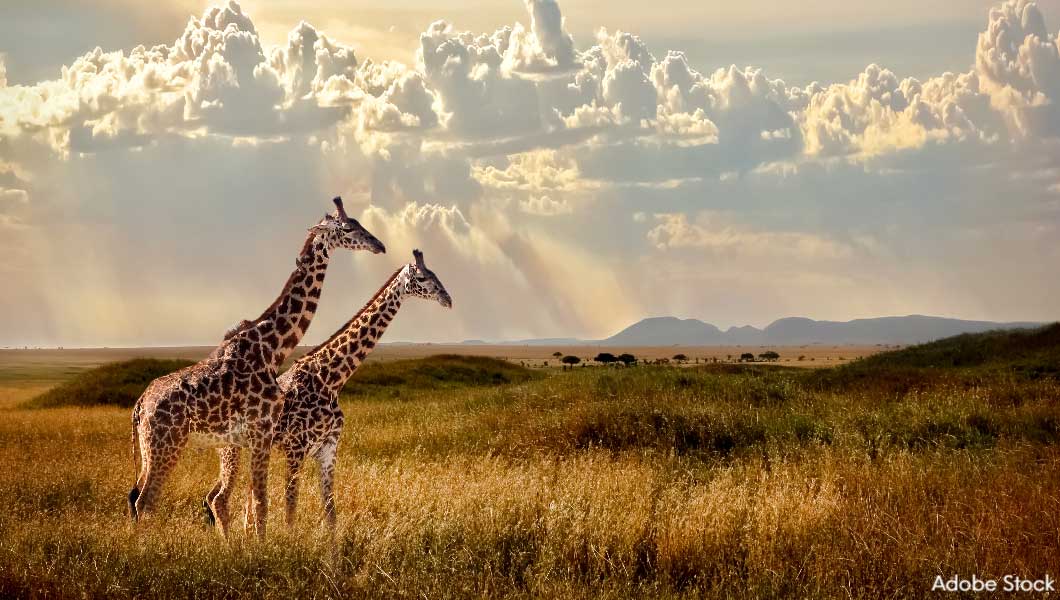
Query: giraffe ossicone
{"x":232,"y":398}
{"x":312,"y":421}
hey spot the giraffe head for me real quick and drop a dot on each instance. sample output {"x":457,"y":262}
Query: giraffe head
{"x":340,"y":231}
{"x":422,"y":282}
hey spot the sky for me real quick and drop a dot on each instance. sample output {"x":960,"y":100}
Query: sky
{"x":566,"y":170}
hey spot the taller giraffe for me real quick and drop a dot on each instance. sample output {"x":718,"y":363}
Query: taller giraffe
{"x":312,"y":420}
{"x":231,"y":397}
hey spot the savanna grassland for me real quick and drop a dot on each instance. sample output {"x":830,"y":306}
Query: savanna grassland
{"x":470,"y":477}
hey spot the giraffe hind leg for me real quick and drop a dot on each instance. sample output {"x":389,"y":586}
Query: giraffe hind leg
{"x":207,"y":509}
{"x":159,"y":463}
{"x":133,"y":495}
{"x":218,"y":501}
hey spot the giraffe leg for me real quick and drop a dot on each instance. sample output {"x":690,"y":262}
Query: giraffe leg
{"x":248,"y":509}
{"x":326,"y":457}
{"x":226,"y":482}
{"x":159,"y":461}
{"x":259,"y":483}
{"x":294,"y":467}
{"x":211,"y":518}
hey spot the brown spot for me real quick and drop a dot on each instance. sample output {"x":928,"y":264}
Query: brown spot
{"x":271,"y":340}
{"x":303,"y":323}
{"x":291,"y":341}
{"x":283,"y":326}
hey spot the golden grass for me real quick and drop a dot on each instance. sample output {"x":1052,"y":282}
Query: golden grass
{"x":481,"y":493}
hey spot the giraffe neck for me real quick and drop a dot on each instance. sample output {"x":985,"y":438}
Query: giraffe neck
{"x":283,"y":324}
{"x":337,"y":359}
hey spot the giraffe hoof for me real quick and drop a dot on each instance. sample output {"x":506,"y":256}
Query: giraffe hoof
{"x":208,"y":513}
{"x":133,"y":495}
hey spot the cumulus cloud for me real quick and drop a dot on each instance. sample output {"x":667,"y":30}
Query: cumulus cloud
{"x":523,"y":160}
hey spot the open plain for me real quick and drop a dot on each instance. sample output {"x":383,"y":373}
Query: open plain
{"x":470,"y":477}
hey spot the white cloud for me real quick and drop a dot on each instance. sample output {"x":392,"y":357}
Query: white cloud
{"x":466,"y":150}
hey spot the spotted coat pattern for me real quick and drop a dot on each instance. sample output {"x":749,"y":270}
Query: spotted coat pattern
{"x":312,"y":420}
{"x":232,"y":398}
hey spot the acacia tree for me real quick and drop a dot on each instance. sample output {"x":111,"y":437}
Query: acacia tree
{"x":627,"y":359}
{"x":769,"y":355}
{"x":571,"y":360}
{"x":606,"y":358}
{"x":747,"y":357}
{"x":680,"y":358}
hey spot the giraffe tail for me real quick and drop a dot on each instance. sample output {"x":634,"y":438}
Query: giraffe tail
{"x":134,"y":493}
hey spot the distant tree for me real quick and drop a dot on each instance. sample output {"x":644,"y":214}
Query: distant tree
{"x":627,"y":359}
{"x":769,"y":355}
{"x":606,"y":358}
{"x":571,"y":360}
{"x":747,"y":357}
{"x":557,"y":354}
{"x":728,"y":357}
{"x":680,"y":358}
{"x":802,"y":357}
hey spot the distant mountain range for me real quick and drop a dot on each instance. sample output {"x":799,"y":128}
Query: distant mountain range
{"x":671,"y":331}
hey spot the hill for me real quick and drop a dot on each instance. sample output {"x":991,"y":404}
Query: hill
{"x":442,"y":371}
{"x":114,"y":384}
{"x":1034,"y":351}
{"x":911,"y":329}
{"x":967,"y":359}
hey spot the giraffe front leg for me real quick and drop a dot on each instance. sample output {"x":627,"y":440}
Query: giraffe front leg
{"x":229,"y":472}
{"x":326,"y":457}
{"x":259,"y":484}
{"x":294,"y":467}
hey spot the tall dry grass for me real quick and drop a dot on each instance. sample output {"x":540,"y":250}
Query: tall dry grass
{"x":646,"y":482}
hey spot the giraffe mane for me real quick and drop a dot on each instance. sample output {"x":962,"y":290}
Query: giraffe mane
{"x":295,"y":276}
{"x":364,"y":308}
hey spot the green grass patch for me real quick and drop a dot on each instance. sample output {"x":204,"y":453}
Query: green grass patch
{"x":443,"y":371}
{"x":114,"y":384}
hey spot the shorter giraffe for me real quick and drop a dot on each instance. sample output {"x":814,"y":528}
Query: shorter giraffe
{"x":312,"y":421}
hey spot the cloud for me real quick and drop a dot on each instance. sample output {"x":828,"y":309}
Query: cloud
{"x":1018,"y":63}
{"x":711,"y":233}
{"x":544,"y":179}
{"x":545,"y":47}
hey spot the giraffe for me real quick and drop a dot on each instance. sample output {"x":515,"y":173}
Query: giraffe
{"x":312,"y":420}
{"x":231,"y":397}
